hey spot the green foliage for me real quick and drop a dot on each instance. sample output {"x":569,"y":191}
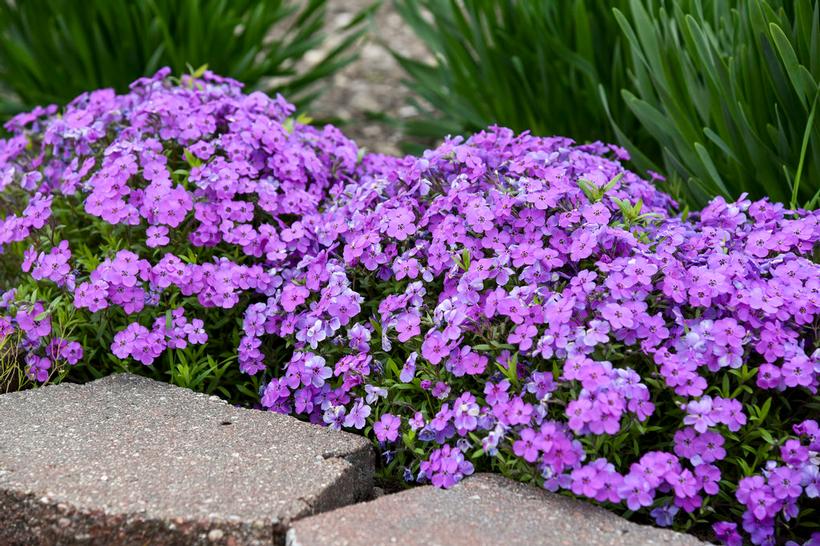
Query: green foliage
{"x":729,"y":90}
{"x":721,"y":95}
{"x":209,"y":368}
{"x":53,"y":50}
{"x":525,"y":65}
{"x":12,"y":369}
{"x":13,"y":345}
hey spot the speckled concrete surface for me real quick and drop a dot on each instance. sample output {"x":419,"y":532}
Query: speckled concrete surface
{"x":482,"y":510}
{"x":128,"y":460}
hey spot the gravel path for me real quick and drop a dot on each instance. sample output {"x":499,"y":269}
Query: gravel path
{"x":371,"y":84}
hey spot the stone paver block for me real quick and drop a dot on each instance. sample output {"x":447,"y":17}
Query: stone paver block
{"x":482,"y":510}
{"x":128,"y":460}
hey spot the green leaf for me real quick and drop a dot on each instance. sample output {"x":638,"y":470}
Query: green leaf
{"x":533,"y":66}
{"x":803,"y":149}
{"x":802,"y":81}
{"x":764,"y":410}
{"x":199,"y":72}
{"x":465,"y":259}
{"x":191,"y":159}
{"x":53,"y":50}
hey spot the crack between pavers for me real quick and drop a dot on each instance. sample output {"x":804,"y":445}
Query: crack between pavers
{"x":290,"y":538}
{"x":280,"y":529}
{"x":283,"y":533}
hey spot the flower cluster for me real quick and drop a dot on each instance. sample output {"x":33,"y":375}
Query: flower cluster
{"x":27,"y":334}
{"x":504,"y":301}
{"x":170,"y":332}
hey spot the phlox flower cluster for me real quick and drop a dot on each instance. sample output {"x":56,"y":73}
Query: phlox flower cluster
{"x":502,"y":301}
{"x":170,"y":332}
{"x":38,"y":343}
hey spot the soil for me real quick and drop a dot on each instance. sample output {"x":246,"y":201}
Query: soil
{"x":369,"y":89}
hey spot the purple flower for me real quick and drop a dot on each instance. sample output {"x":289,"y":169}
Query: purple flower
{"x":709,"y":446}
{"x":597,"y":214}
{"x":71,"y":352}
{"x":727,"y":533}
{"x":359,"y":337}
{"x":785,"y":483}
{"x":636,"y":491}
{"x":157,"y":236}
{"x":768,"y":376}
{"x":358,"y":413}
{"x":728,"y":332}
{"x":757,"y":243}
{"x":293,"y":296}
{"x":541,"y":385}
{"x":529,"y":445}
{"x":386,"y":428}
{"x":555,"y":328}
{"x":798,"y":371}
{"x":408,"y":371}
{"x":582,"y":246}
{"x":685,"y":484}
{"x":664,"y":515}
{"x":699,"y":414}
{"x":38,"y":368}
{"x":435,"y":347}
{"x":618,"y":316}
{"x":334,"y":417}
{"x":465,"y":413}
{"x":514,"y":412}
{"x":497,"y":392}
{"x":315,"y":371}
{"x":686,"y":442}
{"x":34,"y":321}
{"x":446,"y":467}
{"x":793,"y":453}
{"x":708,"y":476}
{"x":343,"y":307}
{"x":407,"y":326}
{"x":54,"y":266}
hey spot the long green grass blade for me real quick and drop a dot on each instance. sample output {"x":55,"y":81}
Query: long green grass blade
{"x":803,"y":147}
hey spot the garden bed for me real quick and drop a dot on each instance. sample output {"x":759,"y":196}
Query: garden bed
{"x":507,"y":302}
{"x":627,"y":314}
